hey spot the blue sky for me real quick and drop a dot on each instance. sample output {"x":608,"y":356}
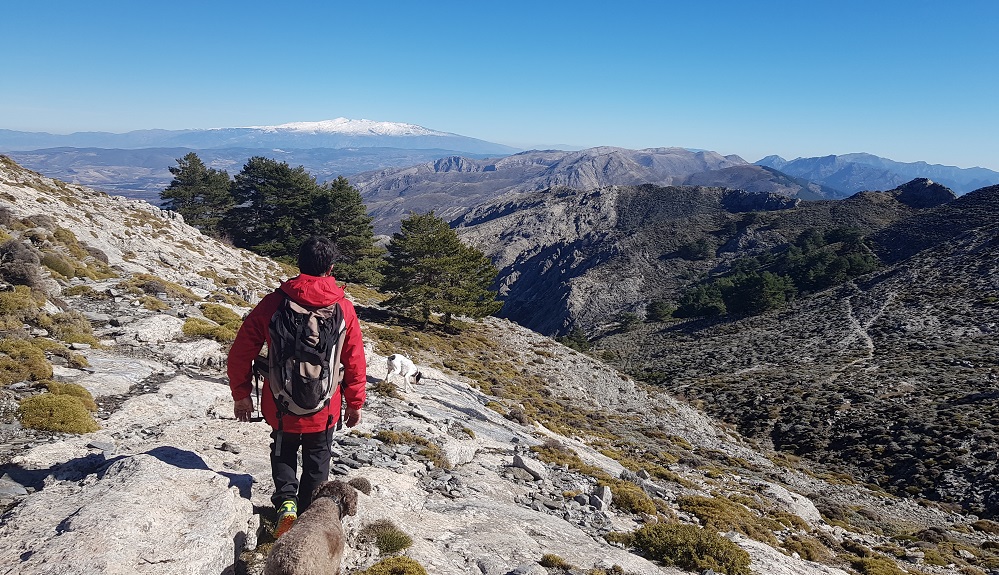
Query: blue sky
{"x":913,"y":80}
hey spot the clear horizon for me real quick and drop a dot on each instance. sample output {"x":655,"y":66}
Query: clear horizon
{"x":905,"y":80}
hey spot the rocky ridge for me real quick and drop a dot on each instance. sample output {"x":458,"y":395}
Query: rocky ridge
{"x":453,"y":186}
{"x":853,"y":173}
{"x":172,"y":484}
{"x":589,"y":256}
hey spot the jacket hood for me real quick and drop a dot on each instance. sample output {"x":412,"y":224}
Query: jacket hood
{"x":313,"y":291}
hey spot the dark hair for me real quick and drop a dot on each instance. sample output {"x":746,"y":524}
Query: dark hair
{"x":316,"y":255}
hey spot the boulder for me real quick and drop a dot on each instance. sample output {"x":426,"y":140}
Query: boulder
{"x":149,"y":513}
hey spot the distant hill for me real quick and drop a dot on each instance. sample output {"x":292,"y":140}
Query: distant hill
{"x":852,"y":173}
{"x":452,"y":186}
{"x":144,"y":173}
{"x":763,"y":179}
{"x":135,"y":164}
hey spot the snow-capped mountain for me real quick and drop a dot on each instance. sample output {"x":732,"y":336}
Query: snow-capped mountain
{"x":355,"y":128}
{"x":336,"y":133}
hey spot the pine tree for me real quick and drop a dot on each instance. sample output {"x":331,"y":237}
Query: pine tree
{"x":430,"y":271}
{"x":338,"y":212}
{"x":198,"y":193}
{"x":273,"y":214}
{"x":279,"y":207}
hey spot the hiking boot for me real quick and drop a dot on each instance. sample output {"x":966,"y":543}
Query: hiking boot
{"x":286,"y":515}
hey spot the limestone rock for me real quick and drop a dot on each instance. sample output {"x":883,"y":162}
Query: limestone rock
{"x":150,"y":513}
{"x":537,"y":469}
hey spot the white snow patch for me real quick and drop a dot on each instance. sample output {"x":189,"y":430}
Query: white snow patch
{"x":353,"y":127}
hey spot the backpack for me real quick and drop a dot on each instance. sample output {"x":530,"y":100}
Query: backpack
{"x":304,"y":366}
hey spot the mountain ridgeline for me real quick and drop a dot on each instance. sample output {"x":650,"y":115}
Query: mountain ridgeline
{"x":453,"y":186}
{"x":852,"y":173}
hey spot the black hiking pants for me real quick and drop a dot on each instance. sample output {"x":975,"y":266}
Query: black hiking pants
{"x":316,"y":451}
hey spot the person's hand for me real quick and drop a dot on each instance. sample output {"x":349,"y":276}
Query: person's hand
{"x":243,"y":408}
{"x":351,"y":417}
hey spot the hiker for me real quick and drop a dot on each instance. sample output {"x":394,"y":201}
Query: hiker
{"x":314,"y":288}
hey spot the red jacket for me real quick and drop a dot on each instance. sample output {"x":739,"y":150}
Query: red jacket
{"x":309,"y":291}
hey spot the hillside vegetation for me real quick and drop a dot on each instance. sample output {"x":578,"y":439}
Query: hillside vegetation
{"x":892,"y":377}
{"x":586,"y":257}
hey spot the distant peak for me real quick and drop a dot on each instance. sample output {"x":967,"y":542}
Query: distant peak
{"x":353,"y":127}
{"x":923,"y":193}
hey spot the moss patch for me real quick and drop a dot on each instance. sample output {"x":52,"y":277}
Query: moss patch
{"x":395,"y":566}
{"x":22,"y":361}
{"x":201,"y":328}
{"x":387,"y":536}
{"x":56,"y":412}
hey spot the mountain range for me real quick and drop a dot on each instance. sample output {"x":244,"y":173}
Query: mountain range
{"x":380,"y":157}
{"x":892,"y":377}
{"x":452,"y":186}
{"x":337,"y":133}
{"x":852,"y":173}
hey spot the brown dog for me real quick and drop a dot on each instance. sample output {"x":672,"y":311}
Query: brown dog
{"x":314,"y":544}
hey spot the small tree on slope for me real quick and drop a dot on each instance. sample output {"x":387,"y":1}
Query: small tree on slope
{"x":199,"y":193}
{"x":430,"y":271}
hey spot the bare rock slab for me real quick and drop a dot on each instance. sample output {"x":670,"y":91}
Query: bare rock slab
{"x":150,"y":513}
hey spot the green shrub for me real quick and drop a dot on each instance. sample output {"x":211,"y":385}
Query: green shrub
{"x":659,"y":310}
{"x":59,"y":264}
{"x":623,"y":539}
{"x":388,"y":538}
{"x":692,"y":548}
{"x":395,"y":566}
{"x":876,"y":566}
{"x":630,"y":497}
{"x":22,"y":361}
{"x":73,"y":327}
{"x":721,"y":514}
{"x":808,"y":548}
{"x":552,"y":561}
{"x":575,"y":339}
{"x":59,"y":413}
{"x":197,"y":327}
{"x":73,"y":390}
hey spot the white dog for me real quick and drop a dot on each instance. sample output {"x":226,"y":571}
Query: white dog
{"x":402,"y":365}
